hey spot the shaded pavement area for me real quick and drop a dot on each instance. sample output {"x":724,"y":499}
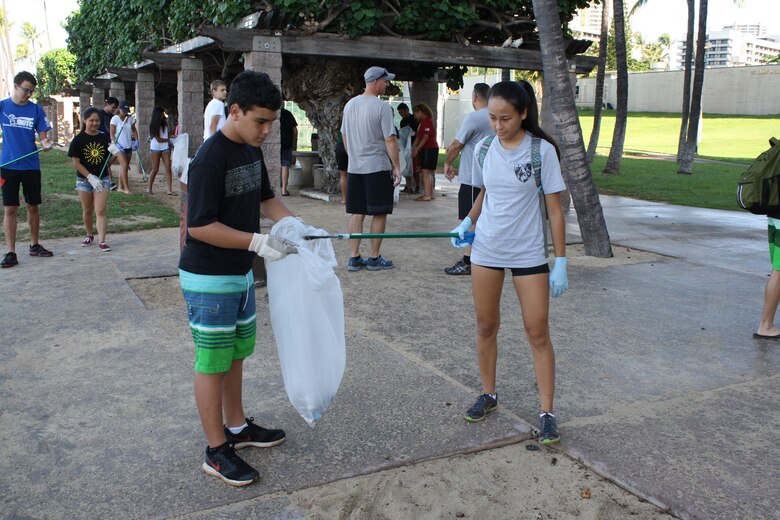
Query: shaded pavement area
{"x":660,"y":386}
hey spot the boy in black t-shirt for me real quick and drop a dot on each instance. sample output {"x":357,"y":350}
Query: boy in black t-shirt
{"x":227,"y":182}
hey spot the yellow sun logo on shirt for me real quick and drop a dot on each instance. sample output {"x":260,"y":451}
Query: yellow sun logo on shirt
{"x":94,"y":153}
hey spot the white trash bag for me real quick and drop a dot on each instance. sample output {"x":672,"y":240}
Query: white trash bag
{"x":180,"y":161}
{"x":307,"y":317}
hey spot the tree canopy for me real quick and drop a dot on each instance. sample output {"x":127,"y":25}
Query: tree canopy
{"x":55,"y":71}
{"x":105,"y":33}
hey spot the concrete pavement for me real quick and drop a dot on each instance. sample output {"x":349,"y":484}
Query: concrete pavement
{"x":661,"y":387}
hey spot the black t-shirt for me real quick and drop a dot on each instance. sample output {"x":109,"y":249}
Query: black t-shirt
{"x":286,"y":124}
{"x":92,"y":151}
{"x":410,"y":121}
{"x":105,"y":122}
{"x":226,"y":182}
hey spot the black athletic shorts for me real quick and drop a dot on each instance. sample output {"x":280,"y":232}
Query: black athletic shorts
{"x":30,"y":180}
{"x":466,"y":197}
{"x":428,"y":158}
{"x":522,"y":271}
{"x":370,"y":193}
{"x":342,"y":160}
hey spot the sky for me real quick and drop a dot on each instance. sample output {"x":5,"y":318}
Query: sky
{"x":671,"y":16}
{"x":653,"y":19}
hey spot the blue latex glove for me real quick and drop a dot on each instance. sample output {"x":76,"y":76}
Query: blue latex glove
{"x":559,"y":282}
{"x":461,"y":241}
{"x":135,"y":145}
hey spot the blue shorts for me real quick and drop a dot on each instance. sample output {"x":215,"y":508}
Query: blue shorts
{"x":286,"y":156}
{"x":83,"y":184}
{"x":222,"y":318}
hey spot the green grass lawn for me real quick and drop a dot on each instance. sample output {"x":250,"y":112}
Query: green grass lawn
{"x":61,"y":208}
{"x":736,"y":138}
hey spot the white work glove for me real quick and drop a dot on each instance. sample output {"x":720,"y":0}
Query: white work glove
{"x":95,"y":182}
{"x":271,"y":248}
{"x":46,"y":144}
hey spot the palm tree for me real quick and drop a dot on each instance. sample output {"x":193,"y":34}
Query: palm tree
{"x":33,"y":37}
{"x":686,"y":155}
{"x":46,"y":24}
{"x":6,"y":56}
{"x":686,"y":102}
{"x":600,"y":72}
{"x":621,"y":113}
{"x":560,"y":94}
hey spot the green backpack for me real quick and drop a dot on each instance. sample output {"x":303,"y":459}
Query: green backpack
{"x":758,"y":190}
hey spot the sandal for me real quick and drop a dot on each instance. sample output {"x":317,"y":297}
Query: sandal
{"x":172,"y":194}
{"x":423,"y":198}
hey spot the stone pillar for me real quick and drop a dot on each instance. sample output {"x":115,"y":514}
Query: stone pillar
{"x":98,"y":97}
{"x":144,"y":104}
{"x":84,"y":102}
{"x":51,"y":113}
{"x":117,"y":89}
{"x":191,"y":102}
{"x":266,"y":57}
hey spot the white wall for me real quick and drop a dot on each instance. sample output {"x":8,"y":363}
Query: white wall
{"x":727,"y":90}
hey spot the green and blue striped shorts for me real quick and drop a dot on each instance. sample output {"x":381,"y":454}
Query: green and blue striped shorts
{"x":221,"y":311}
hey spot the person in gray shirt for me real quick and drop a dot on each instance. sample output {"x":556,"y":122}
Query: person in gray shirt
{"x":475,"y":127}
{"x":373,"y":169}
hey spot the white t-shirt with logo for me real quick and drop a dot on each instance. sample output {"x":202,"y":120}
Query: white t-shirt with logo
{"x":509,"y":229}
{"x":214,"y":108}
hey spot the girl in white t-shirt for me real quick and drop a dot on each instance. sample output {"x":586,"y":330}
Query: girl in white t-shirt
{"x":509,"y":235}
{"x":160,"y":148}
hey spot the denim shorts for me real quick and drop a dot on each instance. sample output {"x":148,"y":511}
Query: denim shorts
{"x":221,"y":312}
{"x":286,"y":156}
{"x":83,"y":184}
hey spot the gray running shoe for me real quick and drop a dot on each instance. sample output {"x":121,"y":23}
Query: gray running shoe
{"x":484,"y":405}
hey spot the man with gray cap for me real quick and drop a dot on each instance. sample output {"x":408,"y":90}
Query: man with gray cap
{"x":373,"y":169}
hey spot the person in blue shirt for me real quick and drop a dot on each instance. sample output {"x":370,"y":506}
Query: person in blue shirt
{"x":20,"y":120}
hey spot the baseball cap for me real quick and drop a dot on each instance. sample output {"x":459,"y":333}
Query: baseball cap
{"x":124,"y":106}
{"x":375,"y":73}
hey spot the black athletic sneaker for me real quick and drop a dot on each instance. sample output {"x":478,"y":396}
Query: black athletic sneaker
{"x":460,"y":267}
{"x":39,"y":250}
{"x":9,"y":260}
{"x":548,"y":429}
{"x":223,"y":462}
{"x":254,"y":435}
{"x":484,"y":405}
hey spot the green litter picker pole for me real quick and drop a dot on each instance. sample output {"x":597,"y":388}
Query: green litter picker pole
{"x":340,"y":236}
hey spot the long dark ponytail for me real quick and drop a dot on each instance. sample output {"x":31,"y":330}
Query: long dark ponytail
{"x":520,"y":94}
{"x":158,"y":122}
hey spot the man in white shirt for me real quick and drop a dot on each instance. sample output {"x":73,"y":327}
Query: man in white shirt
{"x":214,"y":116}
{"x":475,"y":127}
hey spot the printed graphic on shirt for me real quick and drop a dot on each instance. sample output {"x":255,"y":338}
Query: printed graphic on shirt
{"x":94,"y":153}
{"x":243,"y":179}
{"x":20,"y":122}
{"x":524,"y":171}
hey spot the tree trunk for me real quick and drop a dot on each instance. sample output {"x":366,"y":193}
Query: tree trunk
{"x":600,"y":72}
{"x":686,"y":102}
{"x":574,"y":163}
{"x":685,"y":165}
{"x":322,"y":87}
{"x":506,"y":75}
{"x":621,"y":114}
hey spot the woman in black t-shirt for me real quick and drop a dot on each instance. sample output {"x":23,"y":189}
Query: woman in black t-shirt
{"x":89,"y":152}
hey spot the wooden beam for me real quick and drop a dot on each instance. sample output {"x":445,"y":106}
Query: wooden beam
{"x":399,"y":49}
{"x":123,"y":74}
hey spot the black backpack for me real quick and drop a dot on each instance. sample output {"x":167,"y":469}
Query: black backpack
{"x":758,"y":190}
